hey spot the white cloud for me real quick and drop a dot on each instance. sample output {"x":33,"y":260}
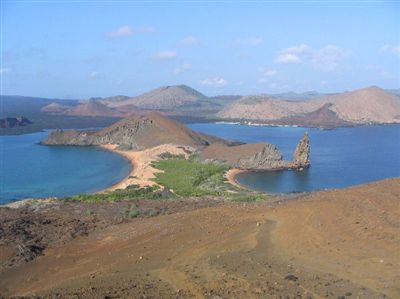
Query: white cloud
{"x":325,"y":59}
{"x":122,"y":31}
{"x":270,"y":73}
{"x":5,"y":71}
{"x":386,"y":75}
{"x":215,"y":82}
{"x":127,"y":30}
{"x":394,"y":49}
{"x":165,"y":55}
{"x":253,"y":41}
{"x":145,"y":29}
{"x":328,"y":58}
{"x":182,"y":68}
{"x":288,"y":58}
{"x":93,"y":75}
{"x":262,"y":80}
{"x":272,"y":85}
{"x":293,"y":54}
{"x":190,"y":41}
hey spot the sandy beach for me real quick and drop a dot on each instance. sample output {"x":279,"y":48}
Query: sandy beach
{"x":231,"y":177}
{"x":142,"y":172}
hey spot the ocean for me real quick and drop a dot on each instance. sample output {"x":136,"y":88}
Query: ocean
{"x":339,"y":158}
{"x":30,"y":170}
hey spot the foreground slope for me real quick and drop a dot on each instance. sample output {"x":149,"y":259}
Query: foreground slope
{"x":331,"y":244}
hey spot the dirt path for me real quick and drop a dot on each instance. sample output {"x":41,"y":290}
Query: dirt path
{"x":329,"y":244}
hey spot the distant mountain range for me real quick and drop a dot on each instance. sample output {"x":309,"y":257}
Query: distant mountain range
{"x":363,"y":106}
{"x":371,"y":105}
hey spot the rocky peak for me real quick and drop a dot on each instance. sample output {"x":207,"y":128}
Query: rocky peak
{"x":301,"y":156}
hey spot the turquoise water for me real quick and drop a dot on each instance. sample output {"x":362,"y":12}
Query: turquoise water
{"x":30,"y":170}
{"x":339,"y":158}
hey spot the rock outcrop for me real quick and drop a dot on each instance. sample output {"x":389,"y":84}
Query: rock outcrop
{"x":12,"y":122}
{"x":261,"y":156}
{"x":301,"y":156}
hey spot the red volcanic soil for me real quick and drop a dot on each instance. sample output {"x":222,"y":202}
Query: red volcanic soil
{"x":333,"y":244}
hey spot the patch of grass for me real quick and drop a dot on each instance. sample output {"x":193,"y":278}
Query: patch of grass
{"x":132,"y":212}
{"x":191,"y":177}
{"x":245,"y":197}
{"x":151,"y":212}
{"x":131,"y":192}
{"x":89,"y":213}
{"x":168,"y":155}
{"x":185,"y":178}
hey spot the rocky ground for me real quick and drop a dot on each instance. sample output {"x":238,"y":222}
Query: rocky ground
{"x":333,"y":244}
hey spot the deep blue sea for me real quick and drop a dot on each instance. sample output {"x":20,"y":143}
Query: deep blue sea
{"x":30,"y":170}
{"x":339,"y":158}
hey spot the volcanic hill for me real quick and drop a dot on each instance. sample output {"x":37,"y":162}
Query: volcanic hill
{"x":363,"y":106}
{"x":140,"y":132}
{"x":92,"y":108}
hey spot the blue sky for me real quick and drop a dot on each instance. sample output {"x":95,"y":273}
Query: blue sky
{"x":92,"y":48}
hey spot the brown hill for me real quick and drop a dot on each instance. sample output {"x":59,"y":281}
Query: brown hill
{"x":136,"y":132}
{"x":368,"y":105}
{"x":55,"y":108}
{"x":93,"y":108}
{"x":322,"y":117}
{"x":163,"y":98}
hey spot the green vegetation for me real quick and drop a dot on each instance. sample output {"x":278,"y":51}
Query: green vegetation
{"x":191,"y":177}
{"x":247,"y":197}
{"x":130,"y":192}
{"x":132,"y":212}
{"x":185,"y":178}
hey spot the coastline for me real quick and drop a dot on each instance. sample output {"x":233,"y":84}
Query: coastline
{"x":142,"y":173}
{"x":129,"y":179}
{"x":231,"y":175}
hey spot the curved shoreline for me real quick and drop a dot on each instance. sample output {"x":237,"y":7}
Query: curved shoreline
{"x":125,"y":180}
{"x":231,"y":175}
{"x":142,"y":173}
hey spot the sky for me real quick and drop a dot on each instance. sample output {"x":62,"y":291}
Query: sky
{"x":82,"y":49}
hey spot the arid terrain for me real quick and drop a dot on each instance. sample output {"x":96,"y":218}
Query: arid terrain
{"x":333,"y":244}
{"x":370,"y":105}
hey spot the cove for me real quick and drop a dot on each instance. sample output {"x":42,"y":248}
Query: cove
{"x":30,"y":170}
{"x":339,"y":158}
